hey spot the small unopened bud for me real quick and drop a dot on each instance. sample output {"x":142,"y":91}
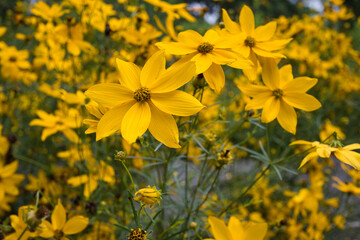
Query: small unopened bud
{"x":193,"y":225}
{"x":224,"y":158}
{"x":34,"y":218}
{"x":148,"y":196}
{"x":120,"y":156}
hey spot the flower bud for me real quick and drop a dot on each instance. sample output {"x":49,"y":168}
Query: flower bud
{"x":148,"y":196}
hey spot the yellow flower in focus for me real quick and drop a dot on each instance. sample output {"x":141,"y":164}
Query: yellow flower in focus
{"x":59,"y":227}
{"x":148,"y":196}
{"x":280,"y":95}
{"x":236,"y":230}
{"x":208,"y":52}
{"x":146,"y":99}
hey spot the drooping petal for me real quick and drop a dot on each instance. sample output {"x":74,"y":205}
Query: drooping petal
{"x":176,"y":103}
{"x":112,"y":119}
{"x":353,"y":146}
{"x":75,"y":225}
{"x":71,"y":135}
{"x":300,"y":142}
{"x":152,"y":68}
{"x":287,"y":119}
{"x":300,"y":84}
{"x":173,"y":77}
{"x":219,"y":229}
{"x":129,"y":74}
{"x":267,"y":54}
{"x":270,"y":74}
{"x":136,"y":121}
{"x":271,"y":109}
{"x":215,"y":77}
{"x":247,"y":21}
{"x":48,"y":132}
{"x":230,"y":25}
{"x":307,"y":158}
{"x":348,"y":157}
{"x":202,"y":62}
{"x":265,"y":32}
{"x":301,"y":101}
{"x":163,"y":127}
{"x":90,"y":186}
{"x":109,"y":94}
{"x":58,"y":217}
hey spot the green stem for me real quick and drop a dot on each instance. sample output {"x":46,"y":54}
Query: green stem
{"x":134,"y":212}
{"x":127,"y":170}
{"x":23,"y":232}
{"x":247,"y":189}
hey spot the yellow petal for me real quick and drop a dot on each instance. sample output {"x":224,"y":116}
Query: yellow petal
{"x":287,"y":118}
{"x":9,"y":169}
{"x":202,"y":62}
{"x":176,"y":48}
{"x":273,"y":45}
{"x":163,"y":127}
{"x":109,"y":94}
{"x":253,"y":90}
{"x":219,"y":229}
{"x":242,"y":63}
{"x":267,"y":54}
{"x":215,"y":77}
{"x":190,"y":38}
{"x":174,"y":77}
{"x":235,"y":227}
{"x":309,"y":157}
{"x":176,"y":103}
{"x":73,"y":48}
{"x":129,"y":74}
{"x":349,"y":157}
{"x":300,"y":84}
{"x":302,"y":101}
{"x":169,"y":23}
{"x":152,"y":68}
{"x":258,"y":101}
{"x":285,"y":73}
{"x":300,"y":142}
{"x":352,"y":146}
{"x":71,"y":135}
{"x":271,"y":109}
{"x":223,"y":56}
{"x":230,"y":25}
{"x":211,"y":36}
{"x":77,"y":181}
{"x":264,"y":33}
{"x":90,"y":186}
{"x":46,"y":229}
{"x":112,"y":119}
{"x":58,"y":217}
{"x":243,"y":50}
{"x":256,"y":231}
{"x":247,"y":21}
{"x":75,"y":225}
{"x":270,"y":74}
{"x":48,"y":132}
{"x":136,"y":121}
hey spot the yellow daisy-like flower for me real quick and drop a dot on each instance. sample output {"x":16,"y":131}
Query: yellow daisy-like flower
{"x":236,"y":230}
{"x":59,"y":227}
{"x":208,"y":52}
{"x":280,"y":95}
{"x":253,"y":41}
{"x":145,"y":99}
{"x":148,"y":196}
{"x":9,"y":179}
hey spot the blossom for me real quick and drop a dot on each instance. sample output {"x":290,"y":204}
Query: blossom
{"x":9,"y":179}
{"x":208,"y":52}
{"x":145,"y":99}
{"x":148,"y":196}
{"x":59,"y":227}
{"x":280,"y":95}
{"x":236,"y":230}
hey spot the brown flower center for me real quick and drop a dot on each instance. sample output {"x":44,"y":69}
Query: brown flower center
{"x":205,"y":48}
{"x":250,"y":42}
{"x":137,"y":234}
{"x":142,"y":94}
{"x":12,"y":59}
{"x":58,"y":234}
{"x":278,"y":93}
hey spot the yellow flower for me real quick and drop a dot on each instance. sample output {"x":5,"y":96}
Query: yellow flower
{"x":208,"y":52}
{"x":46,"y":12}
{"x":145,"y":100}
{"x":253,"y":41}
{"x":9,"y":179}
{"x":280,"y":95}
{"x":59,"y":227}
{"x":346,"y":187}
{"x":148,"y":196}
{"x":236,"y":230}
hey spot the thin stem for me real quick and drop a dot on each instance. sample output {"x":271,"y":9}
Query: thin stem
{"x":247,"y":189}
{"x":134,"y":212}
{"x":23,"y":232}
{"x":127,"y":170}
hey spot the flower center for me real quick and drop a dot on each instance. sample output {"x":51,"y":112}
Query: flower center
{"x":250,"y":42}
{"x":278,"y":93}
{"x":205,"y":48}
{"x":58,"y":234}
{"x":137,"y":234}
{"x":142,"y":94}
{"x":12,"y":59}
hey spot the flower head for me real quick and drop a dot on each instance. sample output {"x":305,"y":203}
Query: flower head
{"x":148,"y":196}
{"x":145,"y":99}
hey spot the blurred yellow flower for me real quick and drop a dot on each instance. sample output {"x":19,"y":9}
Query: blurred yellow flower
{"x":148,"y":196}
